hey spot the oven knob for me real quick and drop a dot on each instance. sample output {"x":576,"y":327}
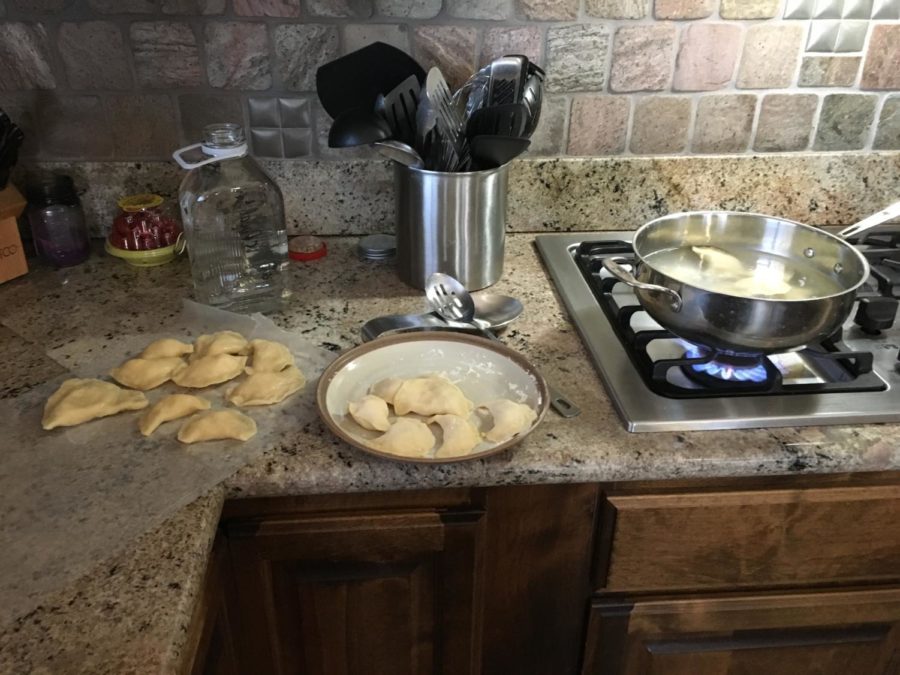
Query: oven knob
{"x":876,"y":314}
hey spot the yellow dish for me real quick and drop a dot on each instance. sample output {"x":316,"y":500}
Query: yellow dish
{"x":150,"y":258}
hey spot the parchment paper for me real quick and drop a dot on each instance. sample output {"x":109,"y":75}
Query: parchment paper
{"x":71,"y":498}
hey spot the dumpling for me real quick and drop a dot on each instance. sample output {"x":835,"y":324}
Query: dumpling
{"x":223,"y":342}
{"x":267,"y":388}
{"x":209,"y":370}
{"x":386,"y":389}
{"x":269,"y":357}
{"x":166,"y":348}
{"x":460,"y":435}
{"x":168,"y":408}
{"x":370,"y":412}
{"x":78,"y":401}
{"x":431,"y":396}
{"x":510,"y":418}
{"x":216,"y":426}
{"x":406,"y":438}
{"x":146,"y":374}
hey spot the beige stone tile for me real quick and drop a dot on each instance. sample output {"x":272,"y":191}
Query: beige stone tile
{"x":527,"y":40}
{"x":683,"y":9}
{"x":616,"y":9}
{"x":94,"y":56}
{"x":278,"y":8}
{"x":888,"y":135}
{"x":25,"y":57}
{"x":237,"y":55}
{"x":770,"y":55}
{"x":577,"y":57}
{"x":706,"y":56}
{"x":165,"y":54}
{"x":598,"y":125}
{"x":829,"y":71}
{"x":660,"y":125}
{"x":882,"y":67}
{"x":785,"y":122}
{"x":723,"y":123}
{"x":749,"y":9}
{"x":548,"y":10}
{"x":642,"y":58}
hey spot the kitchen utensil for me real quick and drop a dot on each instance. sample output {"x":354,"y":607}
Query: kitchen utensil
{"x":356,"y":80}
{"x":399,"y":152}
{"x":533,"y":97}
{"x":399,"y":106}
{"x":824,"y":272}
{"x":508,"y":75}
{"x":451,"y":300}
{"x":484,"y":370}
{"x":511,"y":119}
{"x":454,"y":156}
{"x":492,"y":312}
{"x":473,"y":94}
{"x":451,"y":222}
{"x":494,"y":151}
{"x":357,"y":126}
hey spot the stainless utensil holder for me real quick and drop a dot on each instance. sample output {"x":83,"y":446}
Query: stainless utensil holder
{"x":453,"y":223}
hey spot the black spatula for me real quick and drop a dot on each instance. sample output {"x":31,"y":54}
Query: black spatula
{"x":356,"y":80}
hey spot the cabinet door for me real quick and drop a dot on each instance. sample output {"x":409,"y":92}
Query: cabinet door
{"x":832,"y":633}
{"x":393,"y":593}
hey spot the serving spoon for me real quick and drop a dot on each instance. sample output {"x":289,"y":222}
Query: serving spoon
{"x":450,"y":299}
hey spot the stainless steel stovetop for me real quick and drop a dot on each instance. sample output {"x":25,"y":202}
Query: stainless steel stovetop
{"x":877,"y":398}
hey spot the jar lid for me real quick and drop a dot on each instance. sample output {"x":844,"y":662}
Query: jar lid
{"x":377,"y":247}
{"x":133,"y":203}
{"x":53,"y":189}
{"x":306,"y":247}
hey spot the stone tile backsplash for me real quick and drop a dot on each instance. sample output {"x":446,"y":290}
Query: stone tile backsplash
{"x":133,"y":79}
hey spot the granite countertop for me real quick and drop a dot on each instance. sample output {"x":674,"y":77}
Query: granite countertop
{"x":131,"y":612}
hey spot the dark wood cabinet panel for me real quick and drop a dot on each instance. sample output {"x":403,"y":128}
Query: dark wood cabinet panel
{"x":392,"y":593}
{"x":211,"y":639}
{"x":749,"y":539}
{"x":537,"y":577}
{"x":827,"y":633}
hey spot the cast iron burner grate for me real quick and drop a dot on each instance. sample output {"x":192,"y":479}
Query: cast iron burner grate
{"x":843,"y":370}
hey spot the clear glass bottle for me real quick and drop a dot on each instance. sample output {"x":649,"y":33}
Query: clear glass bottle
{"x":233,"y":216}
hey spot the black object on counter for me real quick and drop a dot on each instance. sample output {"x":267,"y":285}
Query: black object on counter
{"x":356,"y":80}
{"x":875,"y":314}
{"x":11,"y":138}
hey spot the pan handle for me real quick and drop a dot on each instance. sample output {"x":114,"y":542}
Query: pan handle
{"x":893,"y":211}
{"x":613,"y":266}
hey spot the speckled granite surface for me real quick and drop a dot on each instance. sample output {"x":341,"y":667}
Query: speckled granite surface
{"x":102,"y":619}
{"x":546,"y":195}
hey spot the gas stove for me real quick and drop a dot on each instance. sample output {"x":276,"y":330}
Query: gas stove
{"x":659,"y":382}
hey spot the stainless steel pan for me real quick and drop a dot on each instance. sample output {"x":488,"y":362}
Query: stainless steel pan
{"x":738,"y":323}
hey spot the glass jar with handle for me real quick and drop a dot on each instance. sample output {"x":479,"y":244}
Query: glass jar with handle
{"x":233,"y":217}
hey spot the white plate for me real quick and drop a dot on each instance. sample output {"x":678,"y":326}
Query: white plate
{"x":482,"y":369}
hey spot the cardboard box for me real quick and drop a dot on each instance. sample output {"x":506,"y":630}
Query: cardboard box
{"x":12,"y":257}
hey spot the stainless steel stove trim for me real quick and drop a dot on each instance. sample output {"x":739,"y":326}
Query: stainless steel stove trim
{"x":642,"y":410}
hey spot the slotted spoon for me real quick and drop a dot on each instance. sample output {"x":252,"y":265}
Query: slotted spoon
{"x":453,"y":302}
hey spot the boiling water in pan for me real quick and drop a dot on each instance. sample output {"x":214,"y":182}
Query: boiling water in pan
{"x":744,"y":273}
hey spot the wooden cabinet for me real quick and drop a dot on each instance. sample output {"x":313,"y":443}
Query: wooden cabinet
{"x":360,"y":593}
{"x":721,"y":577}
{"x":826,"y":633}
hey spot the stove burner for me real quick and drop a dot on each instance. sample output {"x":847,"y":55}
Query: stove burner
{"x":724,"y":367}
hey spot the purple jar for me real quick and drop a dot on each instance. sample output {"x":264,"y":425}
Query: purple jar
{"x":57,"y":222}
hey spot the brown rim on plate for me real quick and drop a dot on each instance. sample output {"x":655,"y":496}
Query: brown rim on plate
{"x":432,"y":336}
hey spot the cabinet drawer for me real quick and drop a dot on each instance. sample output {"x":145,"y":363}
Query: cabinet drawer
{"x":718,"y":540}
